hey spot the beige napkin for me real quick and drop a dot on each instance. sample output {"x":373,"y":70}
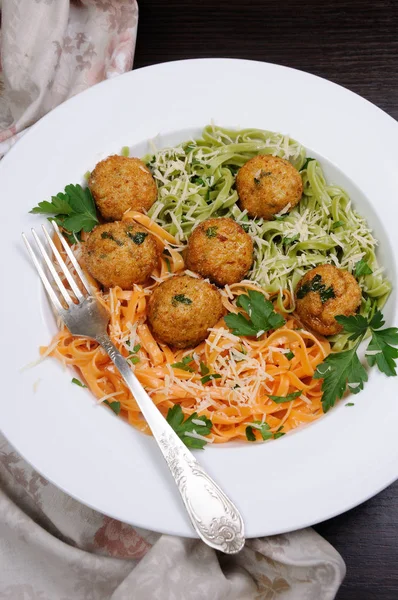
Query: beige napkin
{"x":52,"y":547}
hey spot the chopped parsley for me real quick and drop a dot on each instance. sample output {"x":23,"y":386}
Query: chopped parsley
{"x":337,"y":224}
{"x":138,"y":237}
{"x":204,"y":369}
{"x":305,"y":165}
{"x":289,"y":355}
{"x":257,"y":180}
{"x":184,"y":364}
{"x":73,"y":209}
{"x":344,"y":369}
{"x":262,"y":316}
{"x":175,"y":418}
{"x":263,"y":428}
{"x":182,"y":299}
{"x":362,"y":268}
{"x":109,"y":236}
{"x":210,"y":377}
{"x":288,"y":241}
{"x":316,"y":285}
{"x":288,"y":398}
{"x":115,"y":406}
{"x":78,"y":382}
{"x":211,"y":232}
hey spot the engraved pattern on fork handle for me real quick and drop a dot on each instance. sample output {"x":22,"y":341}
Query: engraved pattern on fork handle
{"x":214,"y":517}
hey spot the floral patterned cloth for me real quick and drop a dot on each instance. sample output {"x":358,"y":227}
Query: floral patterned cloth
{"x":51,"y":546}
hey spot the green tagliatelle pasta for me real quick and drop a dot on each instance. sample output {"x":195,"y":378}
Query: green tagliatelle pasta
{"x":196,"y":180}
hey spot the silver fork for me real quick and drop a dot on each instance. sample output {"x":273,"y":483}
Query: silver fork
{"x":214,"y":517}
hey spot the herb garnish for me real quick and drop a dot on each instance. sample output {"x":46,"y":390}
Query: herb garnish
{"x":288,"y":241}
{"x":337,"y":224}
{"x":138,"y":237}
{"x":109,"y":236}
{"x":78,"y":382}
{"x":182,"y":299}
{"x":263,"y":428}
{"x":184,"y":364}
{"x":289,"y":355}
{"x":73,"y":209}
{"x":263,"y":173}
{"x":305,"y":165}
{"x":211,"y":232}
{"x":262,"y":316}
{"x":288,"y":398}
{"x":316,"y":285}
{"x":210,"y":377}
{"x":175,"y":418}
{"x":344,"y":368}
{"x":204,"y":369}
{"x":362,"y":268}
{"x":115,"y":406}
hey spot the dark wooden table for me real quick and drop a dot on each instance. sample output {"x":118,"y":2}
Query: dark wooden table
{"x":353,"y":43}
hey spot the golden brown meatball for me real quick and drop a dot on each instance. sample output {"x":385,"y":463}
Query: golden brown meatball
{"x":324,"y":293}
{"x":182,"y":309}
{"x":267,"y":184}
{"x":120,"y":253}
{"x":119,"y":183}
{"x":221,"y":250}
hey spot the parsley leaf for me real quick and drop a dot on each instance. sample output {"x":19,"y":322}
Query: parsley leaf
{"x":288,"y":398}
{"x":74,"y":209}
{"x":362,"y":268}
{"x":204,"y":369}
{"x":184,"y":364}
{"x":250,"y":435}
{"x":138,"y":237}
{"x":380,"y":351}
{"x":289,"y":355}
{"x":211,"y":232}
{"x":182,"y":299}
{"x":115,"y":406}
{"x":316,"y":285}
{"x":337,"y":224}
{"x":344,"y":368}
{"x":78,"y":382}
{"x":337,"y":371}
{"x":288,"y":241}
{"x":261,"y":312}
{"x":175,"y":418}
{"x":305,"y":165}
{"x":263,"y":428}
{"x":209,"y":377}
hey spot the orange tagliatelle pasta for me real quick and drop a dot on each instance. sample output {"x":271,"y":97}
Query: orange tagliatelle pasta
{"x":250,"y":369}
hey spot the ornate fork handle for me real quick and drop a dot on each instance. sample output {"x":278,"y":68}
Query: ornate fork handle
{"x":214,"y":517}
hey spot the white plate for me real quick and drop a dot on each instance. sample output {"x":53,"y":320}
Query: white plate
{"x":308,"y":476}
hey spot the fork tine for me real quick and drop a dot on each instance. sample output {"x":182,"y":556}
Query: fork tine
{"x":52,"y":295}
{"x":63,"y":266}
{"x":71,"y":256}
{"x":51,"y":268}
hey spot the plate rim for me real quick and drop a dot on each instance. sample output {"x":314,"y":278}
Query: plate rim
{"x":38,"y":125}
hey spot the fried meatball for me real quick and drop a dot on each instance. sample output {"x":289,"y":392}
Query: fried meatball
{"x":322,"y":294}
{"x":119,"y":183}
{"x":120,"y":253}
{"x":267,"y":184}
{"x":221,"y":250}
{"x":182,"y":309}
